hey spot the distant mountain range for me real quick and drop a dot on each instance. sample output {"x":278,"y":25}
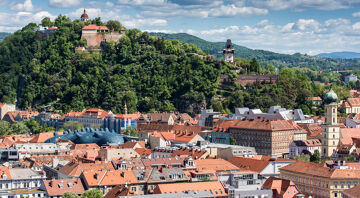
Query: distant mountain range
{"x":341,"y":55}
{"x":265,"y":57}
{"x":3,"y":35}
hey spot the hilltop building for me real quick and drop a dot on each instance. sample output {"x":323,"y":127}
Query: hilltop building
{"x":229,"y":52}
{"x":84,"y":17}
{"x":330,"y":129}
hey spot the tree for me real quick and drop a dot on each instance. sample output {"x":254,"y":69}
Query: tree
{"x":232,"y":141}
{"x":94,"y":193}
{"x":4,"y":127}
{"x":34,"y":126}
{"x":350,"y":158}
{"x":131,"y":131}
{"x":46,"y":22}
{"x":19,"y":128}
{"x":255,"y":66}
{"x":70,"y":195}
{"x":113,"y":25}
{"x":303,"y":157}
{"x":73,"y":125}
{"x":316,"y":157}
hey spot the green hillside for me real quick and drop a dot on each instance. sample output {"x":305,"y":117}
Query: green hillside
{"x":265,"y":57}
{"x":3,"y":35}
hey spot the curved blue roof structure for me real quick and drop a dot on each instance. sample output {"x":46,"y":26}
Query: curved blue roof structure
{"x":89,"y":135}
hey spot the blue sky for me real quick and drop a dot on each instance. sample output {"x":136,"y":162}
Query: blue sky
{"x":286,"y":26}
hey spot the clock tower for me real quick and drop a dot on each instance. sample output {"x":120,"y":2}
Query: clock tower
{"x":330,"y":129}
{"x":229,"y":52}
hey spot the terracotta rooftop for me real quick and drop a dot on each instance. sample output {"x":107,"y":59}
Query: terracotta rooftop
{"x":215,"y":164}
{"x":258,"y":163}
{"x":108,"y":177}
{"x":95,"y":27}
{"x":264,"y":125}
{"x":4,"y":173}
{"x":59,"y":187}
{"x":216,"y":188}
{"x":194,"y":153}
{"x":321,"y":170}
{"x":42,"y":137}
{"x":314,"y":98}
{"x":278,"y":184}
{"x":354,"y":101}
{"x":348,"y":134}
{"x":352,"y":192}
{"x":119,"y":191}
{"x":76,"y":168}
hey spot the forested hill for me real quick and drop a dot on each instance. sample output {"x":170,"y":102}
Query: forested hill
{"x":3,"y":35}
{"x":265,"y":57}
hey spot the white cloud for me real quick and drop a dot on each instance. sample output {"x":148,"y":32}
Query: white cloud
{"x":26,"y":6}
{"x":20,"y":19}
{"x":64,"y":3}
{"x":304,"y":35}
{"x":92,"y":12}
{"x":356,"y":14}
{"x":301,"y":5}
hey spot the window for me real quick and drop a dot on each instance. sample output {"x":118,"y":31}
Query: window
{"x":133,"y":188}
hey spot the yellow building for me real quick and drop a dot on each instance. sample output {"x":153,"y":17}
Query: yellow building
{"x":319,"y":180}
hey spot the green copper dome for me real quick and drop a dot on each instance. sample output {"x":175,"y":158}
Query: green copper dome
{"x":330,"y":97}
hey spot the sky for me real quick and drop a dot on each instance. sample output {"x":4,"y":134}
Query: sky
{"x":284,"y":26}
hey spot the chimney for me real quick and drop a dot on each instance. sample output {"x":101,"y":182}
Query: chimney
{"x":122,"y":174}
{"x":96,"y":176}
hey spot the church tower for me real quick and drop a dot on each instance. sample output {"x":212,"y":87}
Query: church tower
{"x":84,"y":17}
{"x":229,"y":52}
{"x":330,"y":129}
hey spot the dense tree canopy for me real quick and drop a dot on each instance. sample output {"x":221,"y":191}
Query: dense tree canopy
{"x":143,"y":72}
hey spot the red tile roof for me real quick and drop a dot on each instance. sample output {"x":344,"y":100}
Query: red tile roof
{"x":59,"y":187}
{"x":95,"y":177}
{"x":215,"y":164}
{"x":348,"y":134}
{"x":354,"y":101}
{"x":261,"y":124}
{"x":95,"y":27}
{"x":277,"y":184}
{"x":4,"y":173}
{"x":216,"y":188}
{"x":76,"y":168}
{"x":257,"y":163}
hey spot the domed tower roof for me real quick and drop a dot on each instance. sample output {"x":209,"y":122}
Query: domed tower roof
{"x":330,"y":97}
{"x":84,"y":16}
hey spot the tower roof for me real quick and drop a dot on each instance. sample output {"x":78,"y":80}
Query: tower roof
{"x":84,"y":15}
{"x":330,"y":97}
{"x":228,"y":44}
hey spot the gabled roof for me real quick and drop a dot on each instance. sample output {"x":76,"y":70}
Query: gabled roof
{"x":352,"y":192}
{"x":257,"y":163}
{"x":277,"y":184}
{"x":59,"y":187}
{"x":321,"y":170}
{"x":119,"y":191}
{"x":215,"y":164}
{"x":348,"y":134}
{"x":95,"y":178}
{"x":4,"y":173}
{"x":74,"y":168}
{"x":353,"y":101}
{"x":194,"y":153}
{"x":42,"y":137}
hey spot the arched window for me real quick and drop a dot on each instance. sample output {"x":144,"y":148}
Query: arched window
{"x":334,"y":110}
{"x":333,"y":142}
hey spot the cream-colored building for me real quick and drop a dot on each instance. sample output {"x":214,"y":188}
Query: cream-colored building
{"x":107,"y":154}
{"x":4,"y":108}
{"x":330,"y":138}
{"x":318,"y":180}
{"x":351,"y":105}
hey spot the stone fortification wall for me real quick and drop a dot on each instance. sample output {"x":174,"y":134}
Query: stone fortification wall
{"x":94,"y":39}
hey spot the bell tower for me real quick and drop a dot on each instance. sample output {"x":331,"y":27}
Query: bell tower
{"x":229,"y":52}
{"x":330,"y":129}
